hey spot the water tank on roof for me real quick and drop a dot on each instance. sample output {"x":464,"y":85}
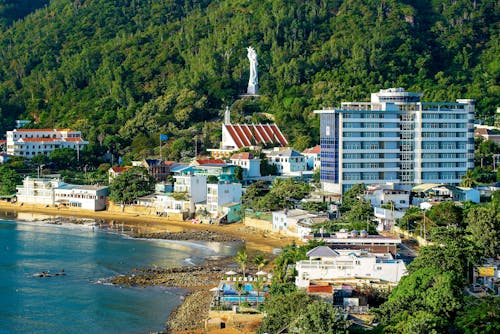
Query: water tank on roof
{"x":363,"y":234}
{"x":354,"y":233}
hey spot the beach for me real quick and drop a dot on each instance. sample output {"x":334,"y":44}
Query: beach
{"x":195,"y":280}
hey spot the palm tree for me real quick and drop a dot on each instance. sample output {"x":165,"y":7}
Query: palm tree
{"x":242,"y":259}
{"x":260,"y":261}
{"x":469,"y":179}
{"x":239,"y":287}
{"x":258,"y":286}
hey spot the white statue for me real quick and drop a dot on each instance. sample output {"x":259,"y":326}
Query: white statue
{"x":253,"y":81}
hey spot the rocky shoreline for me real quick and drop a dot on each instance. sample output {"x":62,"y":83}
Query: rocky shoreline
{"x":197,"y":280}
{"x":199,"y":235}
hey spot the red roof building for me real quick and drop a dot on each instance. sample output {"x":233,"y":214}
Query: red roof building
{"x":237,"y":136}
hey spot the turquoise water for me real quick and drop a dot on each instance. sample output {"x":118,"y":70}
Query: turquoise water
{"x":76,"y":302}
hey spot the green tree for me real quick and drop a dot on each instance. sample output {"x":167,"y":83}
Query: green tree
{"x":446,"y":214}
{"x":469,"y":180}
{"x":282,"y":311}
{"x":352,"y":196}
{"x":131,"y":184}
{"x":242,"y":259}
{"x":479,"y":316}
{"x":483,"y":229}
{"x":239,"y":287}
{"x":63,"y":158}
{"x":320,"y":317}
{"x":260,"y":261}
{"x":433,"y":291}
{"x":9,"y":178}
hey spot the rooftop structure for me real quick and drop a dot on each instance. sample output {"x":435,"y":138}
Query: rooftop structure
{"x":326,"y":266}
{"x":395,"y":138}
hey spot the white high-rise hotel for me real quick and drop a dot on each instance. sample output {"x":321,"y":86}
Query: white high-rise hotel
{"x":396,"y":138}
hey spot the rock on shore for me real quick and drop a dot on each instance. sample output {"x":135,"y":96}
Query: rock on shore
{"x":202,"y":235}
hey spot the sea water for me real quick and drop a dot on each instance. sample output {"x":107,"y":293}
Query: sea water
{"x":78,"y":301}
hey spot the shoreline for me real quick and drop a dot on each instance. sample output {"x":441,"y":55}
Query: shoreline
{"x":143,"y":224}
{"x":197,"y":280}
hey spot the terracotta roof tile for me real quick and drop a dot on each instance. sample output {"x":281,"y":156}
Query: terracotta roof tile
{"x":242,"y":156}
{"x":313,"y":150}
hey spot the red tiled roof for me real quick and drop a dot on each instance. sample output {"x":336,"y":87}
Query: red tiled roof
{"x":245,"y":135}
{"x":481,"y":131}
{"x":242,"y":156}
{"x":39,"y":140}
{"x":313,"y":150}
{"x":73,"y":139}
{"x":3,"y":141}
{"x":320,"y":289}
{"x":120,"y":169}
{"x":211,"y":162}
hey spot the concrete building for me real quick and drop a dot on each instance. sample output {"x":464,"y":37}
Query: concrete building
{"x":313,"y":157}
{"x":86,"y":197}
{"x":31,"y":142}
{"x":358,"y":240}
{"x":396,"y":138}
{"x":220,"y":194}
{"x":388,"y":194}
{"x":194,"y":185}
{"x":287,"y":161}
{"x":326,"y":265}
{"x":52,"y":191}
{"x":249,"y":164}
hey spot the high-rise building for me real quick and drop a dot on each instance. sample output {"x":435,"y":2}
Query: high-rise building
{"x":396,"y":138}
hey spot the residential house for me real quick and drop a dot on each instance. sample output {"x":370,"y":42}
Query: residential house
{"x":52,"y":191}
{"x":442,"y":192}
{"x":326,"y":265}
{"x":487,"y":133}
{"x":287,"y":161}
{"x":388,"y":193}
{"x":249,"y":164}
{"x":313,"y":157}
{"x":296,"y":222}
{"x":223,"y":198}
{"x":115,"y":171}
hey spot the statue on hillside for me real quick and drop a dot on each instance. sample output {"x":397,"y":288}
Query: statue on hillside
{"x":253,"y":81}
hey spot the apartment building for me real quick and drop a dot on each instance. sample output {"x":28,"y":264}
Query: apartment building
{"x":31,"y":142}
{"x":396,"y":138}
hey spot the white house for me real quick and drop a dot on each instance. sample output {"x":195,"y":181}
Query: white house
{"x":52,"y":191}
{"x":287,"y":161}
{"x":86,"y":197}
{"x":31,"y":142}
{"x":294,"y":222}
{"x":386,"y":218}
{"x":388,"y":193}
{"x":328,"y":265}
{"x":194,"y":185}
{"x":38,"y":190}
{"x":249,"y":164}
{"x":313,"y":157}
{"x":220,"y":194}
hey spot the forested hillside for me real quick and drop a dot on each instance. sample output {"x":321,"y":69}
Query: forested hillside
{"x":124,"y":71}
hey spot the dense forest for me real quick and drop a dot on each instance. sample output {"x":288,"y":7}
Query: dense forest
{"x":125,"y":71}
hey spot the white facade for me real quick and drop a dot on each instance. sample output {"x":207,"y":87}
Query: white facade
{"x":385,"y":194}
{"x":81,"y":196}
{"x":396,"y":138}
{"x":325,"y":265}
{"x":52,"y":191}
{"x":249,"y":164}
{"x":194,"y":185}
{"x":386,"y":218}
{"x":313,"y":157}
{"x":31,"y":142}
{"x":287,"y":161}
{"x":219,"y":194}
{"x":287,"y":221}
{"x":38,"y":190}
